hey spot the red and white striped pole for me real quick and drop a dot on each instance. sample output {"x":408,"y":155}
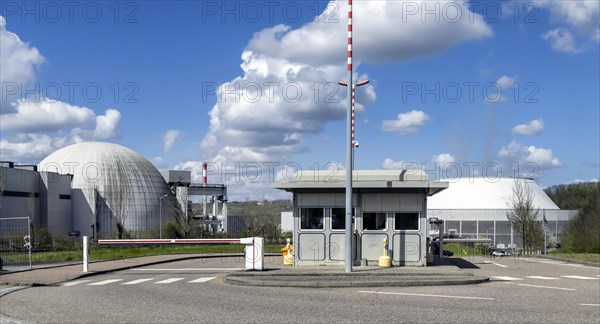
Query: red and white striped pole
{"x":349,"y":149}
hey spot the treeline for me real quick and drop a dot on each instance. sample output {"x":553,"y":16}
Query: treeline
{"x":582,"y":233}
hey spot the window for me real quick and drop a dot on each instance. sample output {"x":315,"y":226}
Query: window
{"x":338,"y":218}
{"x":311,"y":218}
{"x":374,"y":221}
{"x":406,"y":221}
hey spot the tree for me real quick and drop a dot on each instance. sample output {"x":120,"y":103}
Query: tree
{"x":524,"y":216}
{"x":94,"y":199}
{"x":119,"y":194}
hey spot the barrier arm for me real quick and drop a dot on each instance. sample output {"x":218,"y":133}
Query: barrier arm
{"x":253,"y":251}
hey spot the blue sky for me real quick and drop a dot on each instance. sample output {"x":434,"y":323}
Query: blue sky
{"x":156,"y":64}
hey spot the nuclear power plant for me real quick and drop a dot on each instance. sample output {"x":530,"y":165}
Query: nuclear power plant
{"x":86,"y":188}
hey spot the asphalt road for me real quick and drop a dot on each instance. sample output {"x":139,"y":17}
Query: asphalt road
{"x":520,"y":290}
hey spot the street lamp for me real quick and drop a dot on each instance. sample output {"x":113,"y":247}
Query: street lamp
{"x":160,"y":221}
{"x":354,"y":86}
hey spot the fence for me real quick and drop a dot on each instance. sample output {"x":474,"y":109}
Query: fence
{"x":15,"y":242}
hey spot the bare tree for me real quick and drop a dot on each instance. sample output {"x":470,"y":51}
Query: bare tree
{"x":94,"y":199}
{"x":118,"y":194}
{"x":523,"y":216}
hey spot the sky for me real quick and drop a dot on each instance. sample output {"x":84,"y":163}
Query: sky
{"x":458,"y":89}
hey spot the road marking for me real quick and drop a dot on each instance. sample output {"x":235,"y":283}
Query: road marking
{"x":203,"y":279}
{"x":135,"y":282}
{"x":597,"y":305}
{"x":105,"y":282}
{"x":542,"y":277}
{"x":580,"y":277}
{"x":494,"y":263}
{"x":536,"y":286}
{"x":188,"y":269}
{"x":506,"y":278}
{"x":170,"y":280}
{"x":73,"y":283}
{"x":424,"y":295}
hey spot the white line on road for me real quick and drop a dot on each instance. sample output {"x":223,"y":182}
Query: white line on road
{"x":506,"y":278}
{"x":73,"y":283}
{"x":498,"y":264}
{"x":597,"y":305}
{"x":580,"y":277}
{"x":203,"y":279}
{"x":542,"y":277}
{"x":536,"y":286}
{"x":170,"y":280}
{"x":188,"y":269}
{"x":135,"y":282}
{"x":105,"y":282}
{"x":424,"y":295}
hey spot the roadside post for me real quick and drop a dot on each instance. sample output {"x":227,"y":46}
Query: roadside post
{"x":85,"y":254}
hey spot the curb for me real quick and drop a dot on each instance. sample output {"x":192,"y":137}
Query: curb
{"x":590,"y":263}
{"x":316,"y":283}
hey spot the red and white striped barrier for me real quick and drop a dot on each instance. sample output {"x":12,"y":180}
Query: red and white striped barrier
{"x":253,"y":251}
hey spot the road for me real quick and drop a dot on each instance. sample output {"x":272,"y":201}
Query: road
{"x":520,"y":290}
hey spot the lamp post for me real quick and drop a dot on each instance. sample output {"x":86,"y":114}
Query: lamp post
{"x":160,"y":220}
{"x":349,"y":144}
{"x":354,"y":86}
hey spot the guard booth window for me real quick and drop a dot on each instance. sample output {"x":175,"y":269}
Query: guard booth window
{"x":374,"y":221}
{"x":406,"y":221}
{"x":311,"y":218}
{"x":338,"y":218}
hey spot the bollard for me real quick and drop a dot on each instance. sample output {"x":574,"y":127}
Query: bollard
{"x":85,"y":254}
{"x":288,"y":253}
{"x":384,"y":260}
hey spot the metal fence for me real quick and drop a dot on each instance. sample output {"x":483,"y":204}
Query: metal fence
{"x":15,"y":242}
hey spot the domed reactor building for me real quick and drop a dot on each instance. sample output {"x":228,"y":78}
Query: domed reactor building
{"x":88,"y":188}
{"x":111,"y":183}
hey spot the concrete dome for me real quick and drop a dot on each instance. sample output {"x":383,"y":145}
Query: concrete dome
{"x":108,"y":177}
{"x":485,"y":193}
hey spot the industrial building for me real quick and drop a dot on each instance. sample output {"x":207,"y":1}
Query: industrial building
{"x":478,"y":207}
{"x":388,"y":204}
{"x":83,"y":188}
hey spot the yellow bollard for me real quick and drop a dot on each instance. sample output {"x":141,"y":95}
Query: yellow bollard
{"x":288,"y":253}
{"x":385,"y":260}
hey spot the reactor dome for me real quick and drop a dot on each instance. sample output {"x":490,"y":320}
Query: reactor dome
{"x":110,"y":182}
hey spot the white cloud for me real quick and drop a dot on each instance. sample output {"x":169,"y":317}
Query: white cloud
{"x":534,"y":127}
{"x":258,"y":122}
{"x":390,"y":164}
{"x":540,"y":158}
{"x":32,"y":146}
{"x":562,"y":40}
{"x":579,"y":18}
{"x":29,"y":147}
{"x":107,"y":125}
{"x":34,"y":127}
{"x":406,"y":123}
{"x":581,"y":15}
{"x":506,"y":82}
{"x":45,"y":115}
{"x":443,"y":159}
{"x":389,"y":31}
{"x":18,"y":64}
{"x":169,"y":139}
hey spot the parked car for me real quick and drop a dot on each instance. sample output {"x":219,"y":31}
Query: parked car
{"x":499,"y":253}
